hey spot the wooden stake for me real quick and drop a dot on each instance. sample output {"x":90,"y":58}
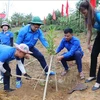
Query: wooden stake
{"x":47,"y":78}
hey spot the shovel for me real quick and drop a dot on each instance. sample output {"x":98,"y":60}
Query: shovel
{"x":78,"y":87}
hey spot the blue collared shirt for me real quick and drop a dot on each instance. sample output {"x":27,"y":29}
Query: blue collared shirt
{"x":27,"y":36}
{"x":5,"y":37}
{"x":7,"y":53}
{"x":72,"y":46}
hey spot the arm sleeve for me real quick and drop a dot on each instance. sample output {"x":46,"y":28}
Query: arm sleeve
{"x":11,"y":41}
{"x":98,"y":17}
{"x":60,"y":47}
{"x":21,"y":66}
{"x":20,"y":37}
{"x":42,"y":39}
{"x":2,"y":68}
{"x":11,"y":38}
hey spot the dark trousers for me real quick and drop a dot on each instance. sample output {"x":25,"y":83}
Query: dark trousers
{"x":38,"y":55}
{"x":78,"y":57}
{"x":6,"y":78}
{"x":94,"y":55}
{"x":98,"y":76}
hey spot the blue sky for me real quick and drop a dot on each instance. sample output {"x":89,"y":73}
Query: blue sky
{"x":36,"y":7}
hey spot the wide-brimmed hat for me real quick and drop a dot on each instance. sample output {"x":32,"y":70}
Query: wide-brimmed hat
{"x":36,"y":20}
{"x":23,"y":47}
{"x":5,"y":23}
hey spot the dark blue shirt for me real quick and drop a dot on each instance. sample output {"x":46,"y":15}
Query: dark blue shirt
{"x":27,"y":36}
{"x":72,"y":46}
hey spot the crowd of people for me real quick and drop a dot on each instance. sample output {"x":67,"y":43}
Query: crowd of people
{"x":29,"y":35}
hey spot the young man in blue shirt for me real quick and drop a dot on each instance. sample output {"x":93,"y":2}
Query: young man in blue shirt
{"x":8,"y":53}
{"x":29,"y":35}
{"x":74,"y":51}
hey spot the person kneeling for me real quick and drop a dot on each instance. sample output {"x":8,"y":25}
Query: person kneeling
{"x":72,"y":44}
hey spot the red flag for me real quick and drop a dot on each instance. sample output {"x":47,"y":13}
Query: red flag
{"x":62,"y":10}
{"x":67,"y":6}
{"x":93,"y":3}
{"x":54,"y":15}
{"x":2,"y":15}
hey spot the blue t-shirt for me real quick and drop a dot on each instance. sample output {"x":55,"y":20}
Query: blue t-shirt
{"x":97,"y":21}
{"x":72,"y":46}
{"x":7,"y":53}
{"x":5,"y":37}
{"x":27,"y":36}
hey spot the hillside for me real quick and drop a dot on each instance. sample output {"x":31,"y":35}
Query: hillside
{"x":66,"y":83}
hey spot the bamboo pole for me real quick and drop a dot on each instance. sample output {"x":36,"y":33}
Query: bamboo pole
{"x":38,"y":78}
{"x":55,"y":76}
{"x":30,"y":62}
{"x":28,"y":78}
{"x":80,"y":21}
{"x":47,"y":78}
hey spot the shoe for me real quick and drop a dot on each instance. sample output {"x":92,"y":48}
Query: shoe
{"x":9,"y":90}
{"x":82,"y":75}
{"x":64,"y":72}
{"x":18,"y":84}
{"x":1,"y":80}
{"x":89,"y":80}
{"x":51,"y":73}
{"x":96,"y":87}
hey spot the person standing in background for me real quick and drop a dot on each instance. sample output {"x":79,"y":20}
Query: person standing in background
{"x":6,"y":38}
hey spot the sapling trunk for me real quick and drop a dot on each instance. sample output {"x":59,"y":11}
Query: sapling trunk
{"x":51,"y":51}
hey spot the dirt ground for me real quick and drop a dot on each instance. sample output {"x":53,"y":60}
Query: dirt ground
{"x":33,"y":90}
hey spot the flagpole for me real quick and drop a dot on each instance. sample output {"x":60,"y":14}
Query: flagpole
{"x":7,"y":9}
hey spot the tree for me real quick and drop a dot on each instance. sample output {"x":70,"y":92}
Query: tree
{"x":19,"y":18}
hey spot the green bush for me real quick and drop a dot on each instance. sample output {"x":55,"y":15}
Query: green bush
{"x":15,"y":34}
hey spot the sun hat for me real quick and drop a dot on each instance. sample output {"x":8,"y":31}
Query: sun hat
{"x":23,"y":47}
{"x":5,"y":23}
{"x":36,"y":20}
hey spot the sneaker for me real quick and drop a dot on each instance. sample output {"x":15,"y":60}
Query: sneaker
{"x":1,"y":80}
{"x":82,"y":75}
{"x":96,"y":87}
{"x":64,"y":72}
{"x":18,"y":84}
{"x":51,"y":73}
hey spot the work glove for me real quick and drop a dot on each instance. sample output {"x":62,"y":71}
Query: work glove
{"x":27,"y":76}
{"x":7,"y":74}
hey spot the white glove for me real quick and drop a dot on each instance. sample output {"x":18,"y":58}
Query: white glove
{"x":21,"y":66}
{"x":1,"y":67}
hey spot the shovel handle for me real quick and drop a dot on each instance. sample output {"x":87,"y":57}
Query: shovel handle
{"x":28,"y":78}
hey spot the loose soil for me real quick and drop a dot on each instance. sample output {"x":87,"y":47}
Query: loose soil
{"x":33,"y":90}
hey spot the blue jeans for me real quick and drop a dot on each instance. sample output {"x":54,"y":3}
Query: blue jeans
{"x":78,"y":57}
{"x":38,"y":55}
